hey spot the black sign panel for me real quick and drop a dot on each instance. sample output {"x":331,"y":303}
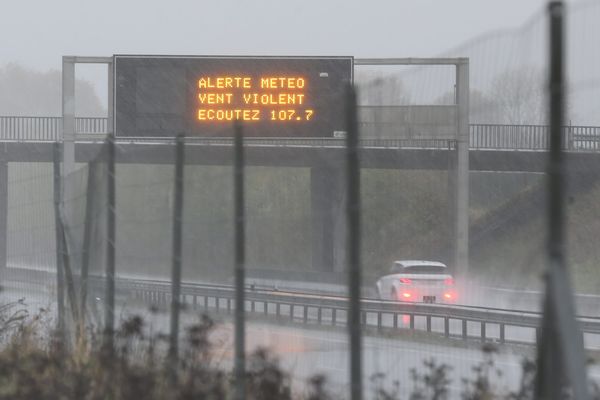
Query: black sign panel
{"x":163,"y":96}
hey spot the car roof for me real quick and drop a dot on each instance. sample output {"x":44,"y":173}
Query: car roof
{"x":416,"y":263}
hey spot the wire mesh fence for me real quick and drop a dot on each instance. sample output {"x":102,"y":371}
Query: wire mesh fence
{"x":309,"y":242}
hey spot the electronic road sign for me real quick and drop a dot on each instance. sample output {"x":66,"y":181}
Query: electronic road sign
{"x":202,"y":96}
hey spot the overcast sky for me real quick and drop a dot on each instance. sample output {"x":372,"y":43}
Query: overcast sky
{"x":36,"y":33}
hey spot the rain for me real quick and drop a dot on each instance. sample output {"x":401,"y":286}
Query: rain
{"x":300,"y":200}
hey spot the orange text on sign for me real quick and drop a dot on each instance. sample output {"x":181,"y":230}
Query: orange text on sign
{"x":224,"y":82}
{"x":215,"y":98}
{"x":282,"y":83}
{"x":245,"y":82}
{"x":228,"y":115}
{"x":273,"y":99}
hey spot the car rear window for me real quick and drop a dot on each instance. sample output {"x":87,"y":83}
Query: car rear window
{"x":424,"y":269}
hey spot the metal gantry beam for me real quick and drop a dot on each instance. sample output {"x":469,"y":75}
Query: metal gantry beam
{"x":68,"y":115}
{"x":411,"y":61}
{"x":69,"y":134}
{"x":68,"y":104}
{"x":461,"y":190}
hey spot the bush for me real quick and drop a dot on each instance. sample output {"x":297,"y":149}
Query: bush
{"x":34,"y":366}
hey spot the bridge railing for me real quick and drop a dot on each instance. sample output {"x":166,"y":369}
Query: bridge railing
{"x":532,"y":137}
{"x":91,"y":125}
{"x":30,"y":128}
{"x":20,"y":128}
{"x":482,"y":136}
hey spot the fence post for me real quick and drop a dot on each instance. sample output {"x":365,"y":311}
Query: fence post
{"x":60,"y":289}
{"x":177,"y":248}
{"x":3,"y":207}
{"x":87,"y":237}
{"x":560,"y":349}
{"x":240,"y":306}
{"x":109,"y":304}
{"x":353,"y":243}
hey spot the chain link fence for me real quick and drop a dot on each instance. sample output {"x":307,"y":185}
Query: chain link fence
{"x":289,"y":258}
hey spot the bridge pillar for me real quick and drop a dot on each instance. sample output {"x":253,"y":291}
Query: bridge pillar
{"x":327,"y":196}
{"x":461,"y":253}
{"x":451,"y":195}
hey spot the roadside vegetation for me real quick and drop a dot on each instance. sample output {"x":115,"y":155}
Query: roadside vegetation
{"x":36,"y":365}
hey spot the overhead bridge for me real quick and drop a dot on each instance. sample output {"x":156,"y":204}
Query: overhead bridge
{"x":498,"y":148}
{"x":482,"y":136}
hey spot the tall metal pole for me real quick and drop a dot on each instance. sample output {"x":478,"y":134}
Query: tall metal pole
{"x":240,"y":257}
{"x":3,"y":207}
{"x":176,"y":250}
{"x":556,"y":166}
{"x":68,"y":155}
{"x":109,"y":305}
{"x":560,"y":347}
{"x":60,"y":278}
{"x":354,"y":273}
{"x":90,"y":202}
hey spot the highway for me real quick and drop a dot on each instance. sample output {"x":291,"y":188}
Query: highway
{"x":450,"y":320}
{"x":306,"y":350}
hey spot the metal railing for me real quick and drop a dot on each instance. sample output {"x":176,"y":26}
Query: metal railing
{"x":482,"y":136}
{"x":23,"y":129}
{"x":311,"y":142}
{"x":474,"y":323}
{"x":30,"y":128}
{"x":532,"y":137}
{"x":91,"y":125}
{"x":331,"y":310}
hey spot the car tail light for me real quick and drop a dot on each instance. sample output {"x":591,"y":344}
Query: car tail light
{"x":406,"y":295}
{"x":450,"y":297}
{"x":405,"y":281}
{"x":449,"y":282}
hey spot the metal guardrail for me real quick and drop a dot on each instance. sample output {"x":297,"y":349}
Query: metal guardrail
{"x":437,"y":144}
{"x":331,"y":310}
{"x":482,"y":136}
{"x":326,"y":310}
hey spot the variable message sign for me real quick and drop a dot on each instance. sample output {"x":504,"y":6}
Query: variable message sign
{"x":163,"y":96}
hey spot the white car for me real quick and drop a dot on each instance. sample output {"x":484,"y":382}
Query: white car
{"x":417,"y":281}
